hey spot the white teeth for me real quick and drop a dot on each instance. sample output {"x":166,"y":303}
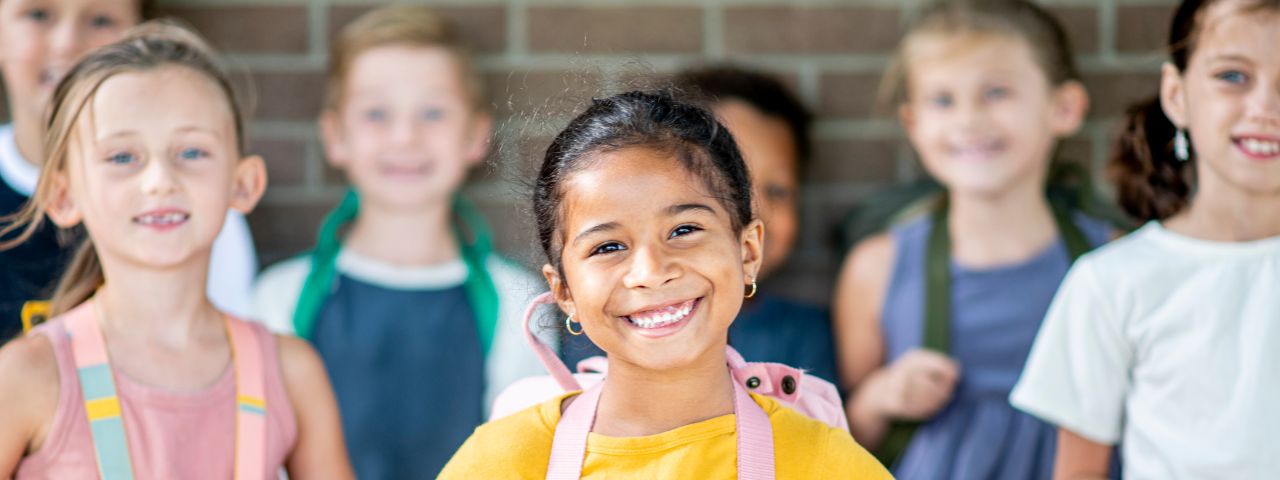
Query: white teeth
{"x":165,"y":219}
{"x":1260,"y":147}
{"x":661,"y":317}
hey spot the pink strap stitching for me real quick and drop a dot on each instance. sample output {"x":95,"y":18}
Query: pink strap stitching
{"x":548,"y":358}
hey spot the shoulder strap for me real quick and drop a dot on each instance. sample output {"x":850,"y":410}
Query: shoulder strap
{"x":937,"y":327}
{"x":251,"y":400}
{"x":481,"y":290}
{"x":315,"y":289}
{"x":98,"y":388}
{"x":754,"y":435}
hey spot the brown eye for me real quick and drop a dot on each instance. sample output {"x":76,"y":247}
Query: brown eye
{"x":607,"y":248}
{"x":683,"y":230}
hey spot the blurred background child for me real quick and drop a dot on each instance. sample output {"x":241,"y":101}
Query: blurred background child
{"x":418,"y":321}
{"x":935,"y":318}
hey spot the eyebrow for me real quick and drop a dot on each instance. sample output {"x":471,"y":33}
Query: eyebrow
{"x":1230,"y":57}
{"x":603,"y":227}
{"x":685,"y":207}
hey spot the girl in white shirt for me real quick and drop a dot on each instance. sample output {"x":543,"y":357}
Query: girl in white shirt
{"x":1167,"y":342}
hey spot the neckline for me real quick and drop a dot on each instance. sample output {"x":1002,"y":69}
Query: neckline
{"x":1198,"y":246}
{"x":395,"y":277}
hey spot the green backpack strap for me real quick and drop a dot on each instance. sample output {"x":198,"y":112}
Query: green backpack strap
{"x":475,"y":241}
{"x":315,"y":289}
{"x":937,"y":316}
{"x":476,"y":250}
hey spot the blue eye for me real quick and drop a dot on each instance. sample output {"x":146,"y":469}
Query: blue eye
{"x":193,"y":154}
{"x":38,"y":15}
{"x":432,"y":114}
{"x":940,"y":100}
{"x":683,"y":230}
{"x":120,"y":158}
{"x":102,"y":21}
{"x":1233,"y":77}
{"x":996,"y":93}
{"x":608,"y":248}
{"x":375,"y":115}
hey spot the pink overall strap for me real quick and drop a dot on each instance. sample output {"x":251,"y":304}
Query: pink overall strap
{"x":755,"y":437}
{"x":251,"y":401}
{"x":569,"y":446}
{"x":549,"y":359}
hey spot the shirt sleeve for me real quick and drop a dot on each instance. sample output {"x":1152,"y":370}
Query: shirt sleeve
{"x":846,"y":459}
{"x":232,"y":266}
{"x":1078,"y":373}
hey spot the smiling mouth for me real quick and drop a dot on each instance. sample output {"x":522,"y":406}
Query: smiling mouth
{"x":663,"y":316}
{"x":1258,"y":147}
{"x":161,"y":219}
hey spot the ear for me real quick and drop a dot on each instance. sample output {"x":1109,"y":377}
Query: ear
{"x":61,"y":206}
{"x":559,"y":289}
{"x":752,"y":243}
{"x":907,"y":117}
{"x":336,"y":150}
{"x":1172,"y":97}
{"x":249,"y":182}
{"x":478,"y":137}
{"x":1070,"y":106}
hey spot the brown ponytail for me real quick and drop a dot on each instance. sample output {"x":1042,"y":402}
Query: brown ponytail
{"x":1151,"y":182}
{"x":81,"y":280}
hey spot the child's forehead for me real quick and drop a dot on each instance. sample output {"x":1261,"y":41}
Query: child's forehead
{"x":957,"y":48}
{"x":632,"y":181}
{"x":404,"y":63}
{"x":1232,"y":28}
{"x":173,"y":96}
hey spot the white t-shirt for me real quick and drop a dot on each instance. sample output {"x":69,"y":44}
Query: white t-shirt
{"x":1169,"y":345}
{"x":233,"y":261}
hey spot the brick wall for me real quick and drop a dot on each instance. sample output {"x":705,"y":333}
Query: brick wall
{"x":543,"y":58}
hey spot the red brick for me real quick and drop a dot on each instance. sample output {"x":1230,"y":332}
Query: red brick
{"x":541,"y":94}
{"x":1081,"y":24}
{"x":1143,"y":29}
{"x":282,"y":95}
{"x":286,"y":160}
{"x":813,"y":30}
{"x":615,"y":29}
{"x":483,"y":28}
{"x":851,"y":95}
{"x":855,"y":161}
{"x":246,"y":29}
{"x":1112,"y":93}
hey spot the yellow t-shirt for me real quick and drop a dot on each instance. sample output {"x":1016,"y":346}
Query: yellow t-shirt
{"x":519,"y":446}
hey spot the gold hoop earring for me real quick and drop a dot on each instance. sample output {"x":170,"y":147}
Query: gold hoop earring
{"x":752,"y":293}
{"x":568,"y":325}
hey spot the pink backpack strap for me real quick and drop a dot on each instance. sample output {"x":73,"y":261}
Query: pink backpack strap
{"x":755,"y":437}
{"x":549,"y":359}
{"x":251,"y":400}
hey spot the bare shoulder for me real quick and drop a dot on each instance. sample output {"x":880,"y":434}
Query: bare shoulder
{"x":299,"y":362}
{"x":28,"y":388}
{"x":870,"y":262}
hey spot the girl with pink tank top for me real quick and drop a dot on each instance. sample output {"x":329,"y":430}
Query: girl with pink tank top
{"x":138,"y":375}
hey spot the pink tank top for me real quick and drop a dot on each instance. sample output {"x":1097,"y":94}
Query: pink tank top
{"x":188,"y":435}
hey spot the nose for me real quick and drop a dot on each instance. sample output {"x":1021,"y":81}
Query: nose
{"x":403,"y":131}
{"x":68,"y":39}
{"x":650,"y":268}
{"x":158,"y":178}
{"x":1266,"y":105}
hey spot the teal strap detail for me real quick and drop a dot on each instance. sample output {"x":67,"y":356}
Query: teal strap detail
{"x":112,"y":449}
{"x":475,"y":241}
{"x":315,"y":289}
{"x":96,"y":382}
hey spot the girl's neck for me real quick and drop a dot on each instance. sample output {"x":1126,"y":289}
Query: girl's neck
{"x":638,"y":402}
{"x":1224,"y":213}
{"x":29,"y":137}
{"x":992,"y":230}
{"x":165,"y":307}
{"x":418,"y":237}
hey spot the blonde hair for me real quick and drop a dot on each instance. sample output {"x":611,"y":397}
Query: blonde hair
{"x":398,"y":25}
{"x":1019,"y":19}
{"x":149,"y":46}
